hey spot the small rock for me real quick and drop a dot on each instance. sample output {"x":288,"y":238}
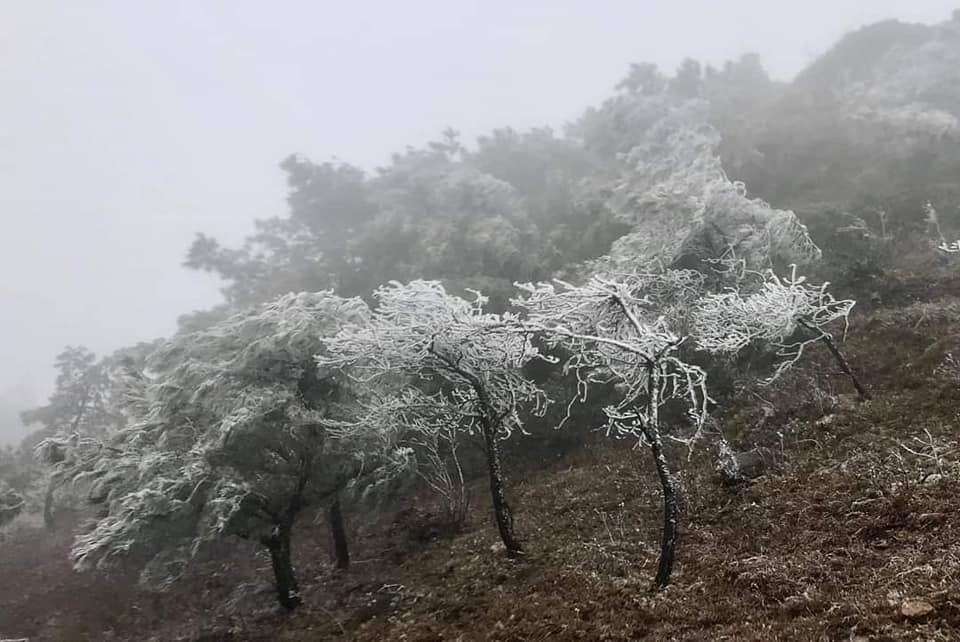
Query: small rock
{"x":497,"y":547}
{"x":933,"y":519}
{"x":825,"y":421}
{"x":737,"y":468}
{"x":794,"y":605}
{"x":915,"y":609}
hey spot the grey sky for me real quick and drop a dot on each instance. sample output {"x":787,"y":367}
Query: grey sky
{"x":128,"y":126}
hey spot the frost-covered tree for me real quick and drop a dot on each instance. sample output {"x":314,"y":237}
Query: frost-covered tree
{"x":683,"y":208}
{"x":467,"y":363}
{"x":78,"y":402}
{"x":555,"y":177}
{"x":230,"y":440}
{"x":77,"y":409}
{"x":432,"y":427}
{"x":428,"y":213}
{"x":621,"y":121}
{"x":308,"y":250}
{"x":785,"y":313}
{"x":18,"y":468}
{"x":627,"y":330}
{"x":11,"y":504}
{"x":88,"y":406}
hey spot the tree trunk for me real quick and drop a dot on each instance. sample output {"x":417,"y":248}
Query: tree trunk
{"x":48,"y":520}
{"x":338,"y":535}
{"x":500,"y":507}
{"x":460,"y":502}
{"x":845,"y":366}
{"x":278,"y":543}
{"x":488,"y":426}
{"x":671,"y":505}
{"x":840,"y":359}
{"x":671,"y":511}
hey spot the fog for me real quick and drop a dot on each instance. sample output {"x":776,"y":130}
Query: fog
{"x":128,"y":127}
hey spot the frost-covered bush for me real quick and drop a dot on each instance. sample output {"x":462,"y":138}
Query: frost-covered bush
{"x":11,"y":505}
{"x":83,"y":409}
{"x":786,"y":314}
{"x":229,"y":439}
{"x":448,"y":365}
{"x":429,"y":431}
{"x":675,"y":194}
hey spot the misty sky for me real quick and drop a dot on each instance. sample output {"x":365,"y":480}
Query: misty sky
{"x":129,"y":126}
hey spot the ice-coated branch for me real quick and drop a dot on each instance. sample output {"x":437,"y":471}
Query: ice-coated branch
{"x":787,"y":313}
{"x":623,"y":329}
{"x":420,"y":332}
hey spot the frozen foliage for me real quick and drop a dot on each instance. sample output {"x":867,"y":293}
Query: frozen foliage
{"x":625,"y":330}
{"x":69,"y":457}
{"x":419,"y":330}
{"x":229,"y":439}
{"x":907,"y":103}
{"x":447,"y":363}
{"x":912,"y":121}
{"x":80,"y":402}
{"x":427,"y":428}
{"x":676,"y":195}
{"x":81,"y":411}
{"x":916,"y":85}
{"x":769,"y":309}
{"x":11,"y":504}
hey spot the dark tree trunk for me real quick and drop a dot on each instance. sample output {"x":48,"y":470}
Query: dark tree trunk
{"x":671,"y":511}
{"x":278,"y":543}
{"x":671,"y":503}
{"x":840,"y":359}
{"x":338,"y":535}
{"x":501,"y":509}
{"x":845,"y":366}
{"x":48,"y":520}
{"x":489,"y":425}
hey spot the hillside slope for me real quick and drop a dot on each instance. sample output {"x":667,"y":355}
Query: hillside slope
{"x":852,"y":535}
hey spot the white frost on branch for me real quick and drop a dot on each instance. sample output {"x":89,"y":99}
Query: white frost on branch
{"x":422,"y":336}
{"x":228,"y":437}
{"x":426,"y":432}
{"x":442,"y":361}
{"x":787,"y":313}
{"x":625,"y":330}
